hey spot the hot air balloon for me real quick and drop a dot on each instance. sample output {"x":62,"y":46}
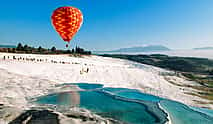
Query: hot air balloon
{"x":67,"y":21}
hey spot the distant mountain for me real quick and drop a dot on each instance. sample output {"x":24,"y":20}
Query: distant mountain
{"x":7,"y":46}
{"x":151,"y":48}
{"x":204,"y":48}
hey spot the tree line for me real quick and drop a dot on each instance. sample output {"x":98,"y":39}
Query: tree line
{"x":40,"y":50}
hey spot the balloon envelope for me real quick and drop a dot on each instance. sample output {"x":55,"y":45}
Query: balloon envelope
{"x":67,"y":21}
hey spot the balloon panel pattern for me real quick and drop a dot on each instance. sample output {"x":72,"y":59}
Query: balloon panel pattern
{"x":67,"y":21}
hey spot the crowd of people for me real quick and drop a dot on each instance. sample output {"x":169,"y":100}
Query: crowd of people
{"x":33,"y":59}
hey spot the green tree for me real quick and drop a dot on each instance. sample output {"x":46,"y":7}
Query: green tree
{"x":27,"y":48}
{"x":73,"y":50}
{"x":14,"y":50}
{"x":40,"y":49}
{"x":20,"y":47}
{"x":79,"y":50}
{"x":53,"y":49}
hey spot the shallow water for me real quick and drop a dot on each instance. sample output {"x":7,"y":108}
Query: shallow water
{"x":126,"y":105}
{"x":203,"y":110}
{"x":182,"y":114}
{"x":132,"y":94}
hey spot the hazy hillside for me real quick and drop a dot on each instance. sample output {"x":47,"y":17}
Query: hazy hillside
{"x":204,"y":48}
{"x":151,"y":48}
{"x":7,"y":46}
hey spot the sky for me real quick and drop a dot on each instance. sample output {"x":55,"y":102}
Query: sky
{"x":111,"y":24}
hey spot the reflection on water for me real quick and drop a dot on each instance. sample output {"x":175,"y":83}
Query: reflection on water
{"x":69,"y":99}
{"x":129,"y":106}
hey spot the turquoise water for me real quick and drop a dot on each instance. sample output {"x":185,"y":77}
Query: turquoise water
{"x":203,"y":110}
{"x":88,"y":87}
{"x":132,"y":94}
{"x":107,"y":106}
{"x":126,"y":105}
{"x":182,"y":114}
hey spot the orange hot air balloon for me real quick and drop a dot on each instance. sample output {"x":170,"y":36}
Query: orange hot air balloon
{"x":67,"y":21}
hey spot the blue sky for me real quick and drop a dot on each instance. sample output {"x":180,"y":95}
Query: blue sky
{"x":111,"y":24}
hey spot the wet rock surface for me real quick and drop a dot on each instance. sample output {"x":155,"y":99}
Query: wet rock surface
{"x":37,"y":117}
{"x":12,"y":115}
